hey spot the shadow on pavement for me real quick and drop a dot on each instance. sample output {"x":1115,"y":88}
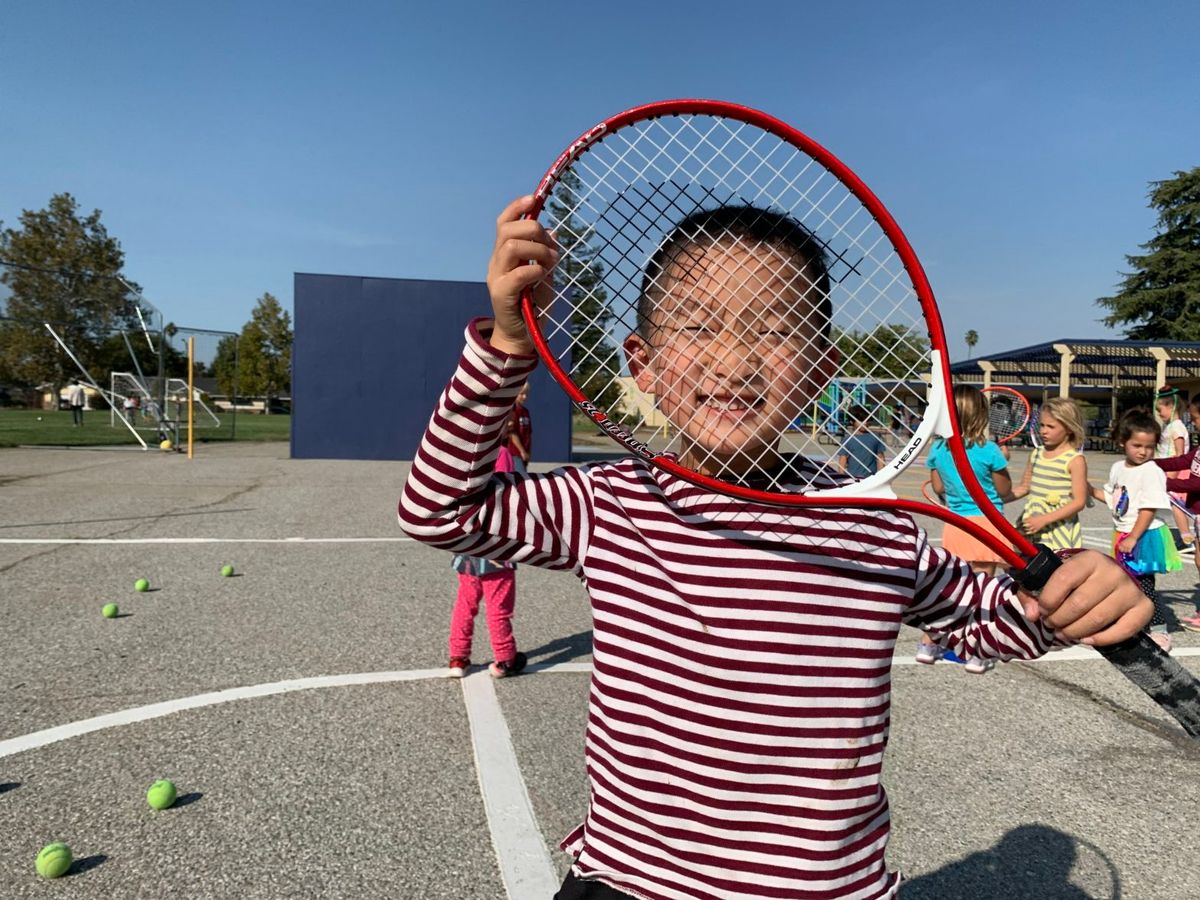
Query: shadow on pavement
{"x":562,"y":650}
{"x":1030,"y":861}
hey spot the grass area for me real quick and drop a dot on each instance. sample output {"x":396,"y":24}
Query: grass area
{"x":31,"y":427}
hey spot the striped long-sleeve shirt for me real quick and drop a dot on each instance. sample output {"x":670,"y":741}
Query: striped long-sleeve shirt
{"x":739,"y":702}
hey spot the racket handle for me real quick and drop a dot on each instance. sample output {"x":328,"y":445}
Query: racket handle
{"x":1139,"y":659}
{"x":1162,"y":678}
{"x":1035,"y":575}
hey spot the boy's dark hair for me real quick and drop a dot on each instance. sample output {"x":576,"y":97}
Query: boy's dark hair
{"x":1133,"y":421}
{"x":859,"y":414}
{"x":749,"y":223}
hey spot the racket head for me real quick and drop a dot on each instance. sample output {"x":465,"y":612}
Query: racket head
{"x":1008,"y":413}
{"x":930,"y":494}
{"x":733,"y":304}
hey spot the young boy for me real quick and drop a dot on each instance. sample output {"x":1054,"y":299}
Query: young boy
{"x":862,"y":453}
{"x":739,"y":700}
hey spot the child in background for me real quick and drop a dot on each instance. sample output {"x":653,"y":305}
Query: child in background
{"x":862,"y":453}
{"x":1183,"y":475}
{"x":1168,"y":403}
{"x":1055,"y":478}
{"x":495,"y":584}
{"x":1137,"y":493}
{"x":991,"y":468}
{"x":740,"y":694}
{"x":520,"y":432}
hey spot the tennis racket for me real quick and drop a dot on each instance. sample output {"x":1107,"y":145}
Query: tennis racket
{"x":1035,"y":436}
{"x":1008,"y":413}
{"x":727,"y":291}
{"x":930,"y":495}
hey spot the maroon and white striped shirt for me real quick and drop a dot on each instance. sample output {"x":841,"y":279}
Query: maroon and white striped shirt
{"x":740,"y":696}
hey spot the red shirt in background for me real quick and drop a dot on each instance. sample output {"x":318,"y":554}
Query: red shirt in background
{"x":1180,"y":481}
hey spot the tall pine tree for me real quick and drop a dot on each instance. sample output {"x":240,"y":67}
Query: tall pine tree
{"x":1160,"y":298}
{"x":579,"y":276}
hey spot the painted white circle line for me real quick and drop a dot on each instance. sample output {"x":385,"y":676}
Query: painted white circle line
{"x":47,"y":736}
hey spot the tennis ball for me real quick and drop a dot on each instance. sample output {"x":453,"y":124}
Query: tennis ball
{"x":39,"y":418}
{"x":141,"y":585}
{"x":165,"y":445}
{"x":109,"y":611}
{"x":161,"y":794}
{"x":54,"y":860}
{"x":227,"y":571}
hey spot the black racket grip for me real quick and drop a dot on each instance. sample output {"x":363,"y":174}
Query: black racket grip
{"x":1139,"y":659}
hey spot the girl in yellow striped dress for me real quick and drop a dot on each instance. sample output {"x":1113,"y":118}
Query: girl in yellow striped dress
{"x":1055,"y":479}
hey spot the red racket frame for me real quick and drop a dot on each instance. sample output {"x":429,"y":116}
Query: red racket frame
{"x":1016,"y":555}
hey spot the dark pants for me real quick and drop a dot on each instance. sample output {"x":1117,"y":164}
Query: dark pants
{"x":578,"y":889}
{"x":77,"y":415}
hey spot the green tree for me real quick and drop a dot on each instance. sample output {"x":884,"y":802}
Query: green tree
{"x":225,"y":366}
{"x":579,"y":277}
{"x":63,"y":269}
{"x":972,"y":338}
{"x":265,"y":351}
{"x":890,"y":351}
{"x":1160,"y":298}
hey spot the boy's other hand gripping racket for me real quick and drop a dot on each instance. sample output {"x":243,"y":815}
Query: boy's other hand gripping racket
{"x":729,"y":295}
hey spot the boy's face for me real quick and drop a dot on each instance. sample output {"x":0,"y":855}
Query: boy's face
{"x":732,"y":353}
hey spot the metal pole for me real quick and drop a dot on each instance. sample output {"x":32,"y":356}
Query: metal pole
{"x":191,"y":388}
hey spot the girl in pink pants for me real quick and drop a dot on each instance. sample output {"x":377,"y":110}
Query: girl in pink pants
{"x":496,"y":585}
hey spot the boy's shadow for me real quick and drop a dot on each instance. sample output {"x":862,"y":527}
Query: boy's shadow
{"x":562,"y":650}
{"x":1030,"y":861}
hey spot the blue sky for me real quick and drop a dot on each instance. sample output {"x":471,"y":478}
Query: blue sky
{"x":232,"y":144}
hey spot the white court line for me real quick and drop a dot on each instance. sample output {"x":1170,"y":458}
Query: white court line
{"x":209,"y":540}
{"x":157,"y":710}
{"x":37,"y":739}
{"x":525,"y":864}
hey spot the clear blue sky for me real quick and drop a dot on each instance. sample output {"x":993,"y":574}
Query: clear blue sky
{"x":232,"y":144}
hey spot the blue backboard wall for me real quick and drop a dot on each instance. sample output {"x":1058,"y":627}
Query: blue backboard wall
{"x":371,"y":356}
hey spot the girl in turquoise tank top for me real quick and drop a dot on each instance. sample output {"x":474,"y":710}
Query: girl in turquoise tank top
{"x":1055,"y":479}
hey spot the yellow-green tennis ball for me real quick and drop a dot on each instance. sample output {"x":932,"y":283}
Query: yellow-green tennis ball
{"x":166,"y":445}
{"x":109,"y":611}
{"x":141,"y":585}
{"x":227,"y":571}
{"x":161,"y":794}
{"x":54,"y":860}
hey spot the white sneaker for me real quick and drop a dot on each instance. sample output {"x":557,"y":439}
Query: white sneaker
{"x":929,"y":653}
{"x":979,"y":666}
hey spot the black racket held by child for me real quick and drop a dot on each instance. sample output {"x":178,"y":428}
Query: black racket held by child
{"x":726,"y":291}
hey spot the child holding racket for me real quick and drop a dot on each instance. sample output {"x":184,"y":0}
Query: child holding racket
{"x":991,"y":468}
{"x":1183,"y":476}
{"x":1168,"y":403}
{"x":1137,"y":493}
{"x":1055,"y":479}
{"x":739,"y":701}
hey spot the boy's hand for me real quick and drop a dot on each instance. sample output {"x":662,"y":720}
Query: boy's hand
{"x":1090,"y":599}
{"x":524,"y":255}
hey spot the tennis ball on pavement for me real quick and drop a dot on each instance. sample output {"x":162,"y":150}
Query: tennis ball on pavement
{"x":227,"y":571}
{"x":161,"y":794}
{"x":109,"y":611}
{"x":166,"y":445}
{"x":141,"y":585}
{"x":54,"y":860}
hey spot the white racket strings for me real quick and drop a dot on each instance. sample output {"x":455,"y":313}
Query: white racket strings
{"x":723,"y":296}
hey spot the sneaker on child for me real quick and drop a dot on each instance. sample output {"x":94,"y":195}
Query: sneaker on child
{"x":508,"y":667}
{"x":459,"y":666}
{"x":979,"y":666}
{"x":929,"y":653}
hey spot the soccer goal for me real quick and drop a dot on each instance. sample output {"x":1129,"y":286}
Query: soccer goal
{"x":138,"y":403}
